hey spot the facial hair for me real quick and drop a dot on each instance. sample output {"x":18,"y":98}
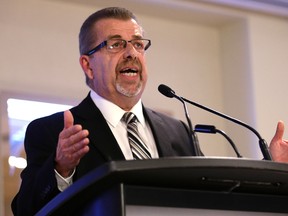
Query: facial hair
{"x":124,"y":91}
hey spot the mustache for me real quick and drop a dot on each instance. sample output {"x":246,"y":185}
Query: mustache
{"x":129,"y":63}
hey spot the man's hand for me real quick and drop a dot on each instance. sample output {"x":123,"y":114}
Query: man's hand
{"x":278,"y":146}
{"x":72,"y":146}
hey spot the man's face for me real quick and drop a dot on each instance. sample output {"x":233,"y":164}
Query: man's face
{"x":119,"y":77}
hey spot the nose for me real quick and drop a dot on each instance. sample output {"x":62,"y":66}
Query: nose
{"x":130,"y":52}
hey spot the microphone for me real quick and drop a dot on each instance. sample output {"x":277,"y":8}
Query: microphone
{"x":192,"y":138}
{"x":214,"y":130}
{"x":168,"y":92}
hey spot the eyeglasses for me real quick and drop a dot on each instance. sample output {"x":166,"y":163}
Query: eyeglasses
{"x":115,"y":45}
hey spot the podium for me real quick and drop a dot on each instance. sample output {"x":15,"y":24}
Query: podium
{"x":186,"y":186}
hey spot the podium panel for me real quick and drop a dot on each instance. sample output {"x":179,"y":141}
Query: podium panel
{"x":161,"y":211}
{"x":189,"y":184}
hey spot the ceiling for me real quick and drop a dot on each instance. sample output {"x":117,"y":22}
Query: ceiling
{"x":174,"y":7}
{"x":213,"y":14}
{"x":275,"y":7}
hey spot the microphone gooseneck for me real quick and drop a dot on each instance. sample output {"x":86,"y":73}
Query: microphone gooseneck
{"x":193,"y":138}
{"x":168,"y":92}
{"x":212,"y":129}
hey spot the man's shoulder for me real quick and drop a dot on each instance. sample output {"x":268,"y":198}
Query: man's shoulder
{"x":53,"y":119}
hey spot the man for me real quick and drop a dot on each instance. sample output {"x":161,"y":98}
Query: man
{"x":62,"y":148}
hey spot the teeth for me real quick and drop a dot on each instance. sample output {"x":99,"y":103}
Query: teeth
{"x":129,"y":74}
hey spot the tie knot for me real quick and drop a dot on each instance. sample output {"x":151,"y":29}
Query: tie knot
{"x":129,"y":117}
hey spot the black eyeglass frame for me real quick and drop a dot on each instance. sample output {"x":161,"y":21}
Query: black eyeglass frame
{"x":104,"y":43}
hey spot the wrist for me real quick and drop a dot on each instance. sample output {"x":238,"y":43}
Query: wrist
{"x":64,"y":172}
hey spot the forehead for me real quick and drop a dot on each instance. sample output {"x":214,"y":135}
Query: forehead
{"x":125,"y":28}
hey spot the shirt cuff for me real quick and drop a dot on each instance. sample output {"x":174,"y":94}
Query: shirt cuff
{"x":62,"y":182}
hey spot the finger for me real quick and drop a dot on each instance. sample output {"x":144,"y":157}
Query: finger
{"x":68,"y":119}
{"x":279,"y":131}
{"x":78,"y":150}
{"x":80,"y":153}
{"x":82,"y":141}
{"x":77,"y":138}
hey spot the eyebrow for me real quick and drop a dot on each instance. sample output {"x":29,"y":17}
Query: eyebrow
{"x":120,"y":37}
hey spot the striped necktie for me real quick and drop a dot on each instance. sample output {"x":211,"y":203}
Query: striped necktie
{"x":138,"y":147}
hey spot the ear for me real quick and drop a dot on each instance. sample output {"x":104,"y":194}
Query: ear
{"x":85,"y":64}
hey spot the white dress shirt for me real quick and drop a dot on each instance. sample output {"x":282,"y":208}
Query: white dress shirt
{"x":113,"y":115}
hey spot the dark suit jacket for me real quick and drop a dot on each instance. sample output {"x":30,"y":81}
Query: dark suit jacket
{"x":39,"y":184}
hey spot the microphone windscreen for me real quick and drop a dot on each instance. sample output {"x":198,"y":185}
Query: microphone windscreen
{"x":165,"y":90}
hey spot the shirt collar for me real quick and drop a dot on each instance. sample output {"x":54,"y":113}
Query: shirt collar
{"x":113,"y":113}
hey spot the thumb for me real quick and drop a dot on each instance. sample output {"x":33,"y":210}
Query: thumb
{"x":68,"y":119}
{"x":279,"y":131}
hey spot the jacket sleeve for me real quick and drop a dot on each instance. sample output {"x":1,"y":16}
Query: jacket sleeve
{"x":39,"y":183}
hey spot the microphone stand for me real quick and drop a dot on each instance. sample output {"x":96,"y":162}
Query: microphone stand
{"x":193,"y":137}
{"x":214,"y":130}
{"x":168,"y":92}
{"x":262,"y":143}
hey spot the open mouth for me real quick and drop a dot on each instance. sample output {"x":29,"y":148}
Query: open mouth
{"x":129,"y":71}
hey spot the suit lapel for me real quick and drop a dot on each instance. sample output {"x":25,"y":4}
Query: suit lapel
{"x":160,"y":135}
{"x":100,"y":135}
